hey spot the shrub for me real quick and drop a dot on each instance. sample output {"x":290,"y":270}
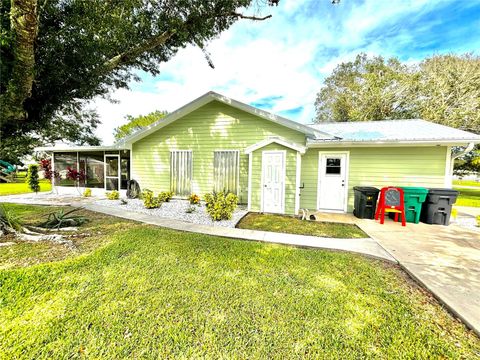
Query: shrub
{"x":220,"y":206}
{"x":8,"y":219}
{"x":149,"y":200}
{"x":59,"y":219}
{"x":113,"y":195}
{"x":194,"y":199}
{"x":478,"y":220}
{"x":454,"y":213}
{"x":165,"y":196}
{"x":87,"y":193}
{"x":32,"y":178}
{"x":191,"y":209}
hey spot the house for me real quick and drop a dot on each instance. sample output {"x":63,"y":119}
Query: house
{"x":273,"y":164}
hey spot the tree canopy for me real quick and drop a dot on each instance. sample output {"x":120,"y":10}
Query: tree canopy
{"x":443,"y":88}
{"x":57,"y":55}
{"x":137,"y":123}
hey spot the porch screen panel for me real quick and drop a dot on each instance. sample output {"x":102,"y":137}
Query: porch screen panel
{"x":181,"y":172}
{"x":226,"y":170}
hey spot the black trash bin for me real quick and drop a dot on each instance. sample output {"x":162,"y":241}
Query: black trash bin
{"x":438,"y":206}
{"x":365,"y":202}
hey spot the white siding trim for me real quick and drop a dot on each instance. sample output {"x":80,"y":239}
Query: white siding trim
{"x":297,"y":183}
{"x":347,"y":174}
{"x":277,"y":140}
{"x":249,"y":194}
{"x":448,"y":168}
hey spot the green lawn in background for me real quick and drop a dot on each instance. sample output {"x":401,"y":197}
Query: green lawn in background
{"x":291,"y":225}
{"x":468,"y":197}
{"x":466,"y":183}
{"x":21,"y":187}
{"x":138,"y":291}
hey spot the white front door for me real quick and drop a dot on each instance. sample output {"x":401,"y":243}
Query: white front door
{"x":273,"y":184}
{"x":332,"y":187}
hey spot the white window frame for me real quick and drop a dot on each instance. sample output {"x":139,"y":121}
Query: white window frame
{"x":119,"y":177}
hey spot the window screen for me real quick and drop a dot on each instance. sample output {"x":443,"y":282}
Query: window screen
{"x":333,"y":166}
{"x":225,"y":170}
{"x":181,"y":172}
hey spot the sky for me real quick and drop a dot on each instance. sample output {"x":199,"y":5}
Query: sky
{"x":279,"y":64}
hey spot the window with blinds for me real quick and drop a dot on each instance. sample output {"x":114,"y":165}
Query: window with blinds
{"x":181,"y":168}
{"x":226,"y":170}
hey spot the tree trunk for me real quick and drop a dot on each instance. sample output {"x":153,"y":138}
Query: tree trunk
{"x":24,"y":27}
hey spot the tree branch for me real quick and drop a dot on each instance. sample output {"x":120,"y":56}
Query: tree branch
{"x":250,"y":17}
{"x":131,"y":54}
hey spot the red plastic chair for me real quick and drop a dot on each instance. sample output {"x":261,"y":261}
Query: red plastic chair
{"x":391,"y":201}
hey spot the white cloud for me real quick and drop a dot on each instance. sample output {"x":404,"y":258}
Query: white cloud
{"x":286,"y":56}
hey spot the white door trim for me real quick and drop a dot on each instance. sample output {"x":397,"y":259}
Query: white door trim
{"x":297,"y":182}
{"x":284,"y":165}
{"x":347,"y":175}
{"x":249,"y":195}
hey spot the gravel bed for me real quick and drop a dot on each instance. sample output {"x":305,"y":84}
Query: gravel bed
{"x":175,"y":209}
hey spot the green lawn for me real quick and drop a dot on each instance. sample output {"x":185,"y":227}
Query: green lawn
{"x":21,"y":187}
{"x":468,"y":197}
{"x":149,"y":292}
{"x":466,"y":183}
{"x":291,"y":225}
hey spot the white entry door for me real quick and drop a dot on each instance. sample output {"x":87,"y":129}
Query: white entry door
{"x":332,"y":187}
{"x":273,"y":184}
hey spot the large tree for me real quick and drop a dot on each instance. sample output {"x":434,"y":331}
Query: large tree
{"x":55,"y":55}
{"x":444,"y":89}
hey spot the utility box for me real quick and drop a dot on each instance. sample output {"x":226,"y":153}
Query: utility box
{"x":365,"y":202}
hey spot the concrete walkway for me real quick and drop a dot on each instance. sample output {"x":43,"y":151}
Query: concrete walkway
{"x":445,"y":259}
{"x":364,"y":246}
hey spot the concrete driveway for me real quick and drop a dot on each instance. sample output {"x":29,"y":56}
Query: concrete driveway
{"x":445,"y":259}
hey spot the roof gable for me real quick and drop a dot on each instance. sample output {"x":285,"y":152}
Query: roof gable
{"x":213,"y":96}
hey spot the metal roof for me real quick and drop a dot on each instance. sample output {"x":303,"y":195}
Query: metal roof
{"x":392,"y":131}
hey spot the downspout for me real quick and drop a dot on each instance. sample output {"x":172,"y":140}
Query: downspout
{"x":466,"y":150}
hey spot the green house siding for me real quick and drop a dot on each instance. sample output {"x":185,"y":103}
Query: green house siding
{"x":290,"y":177}
{"x":379,"y":167}
{"x":215,"y":126}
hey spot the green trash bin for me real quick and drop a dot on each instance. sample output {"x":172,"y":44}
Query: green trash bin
{"x":414,"y":198}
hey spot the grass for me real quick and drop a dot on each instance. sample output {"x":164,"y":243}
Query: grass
{"x":19,"y":186}
{"x":468,"y":197}
{"x":291,"y":225}
{"x":91,"y":237}
{"x":149,"y":292}
{"x":466,"y":183}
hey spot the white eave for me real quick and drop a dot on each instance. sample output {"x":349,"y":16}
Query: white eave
{"x":436,"y":142}
{"x":213,"y":96}
{"x":67,"y":148}
{"x":277,"y":140}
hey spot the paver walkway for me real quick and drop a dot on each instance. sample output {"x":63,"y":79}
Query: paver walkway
{"x":445,"y":259}
{"x":365,"y":246}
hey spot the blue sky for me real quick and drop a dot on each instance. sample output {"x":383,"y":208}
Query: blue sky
{"x":279,"y":64}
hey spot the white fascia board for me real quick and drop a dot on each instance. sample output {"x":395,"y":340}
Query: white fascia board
{"x":67,"y":148}
{"x":297,"y":147}
{"x":327,"y":144}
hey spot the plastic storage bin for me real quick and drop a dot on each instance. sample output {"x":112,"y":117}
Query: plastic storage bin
{"x":438,"y":206}
{"x":365,"y":202}
{"x":413,"y":198}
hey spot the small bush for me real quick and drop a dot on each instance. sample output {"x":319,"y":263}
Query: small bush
{"x":113,"y":195}
{"x":220,"y":206}
{"x":149,"y":200}
{"x":32,"y":178}
{"x":478,"y":220}
{"x":194,"y":199}
{"x":8,"y":218}
{"x":191,"y":209}
{"x":87,"y":193}
{"x":165,"y":196}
